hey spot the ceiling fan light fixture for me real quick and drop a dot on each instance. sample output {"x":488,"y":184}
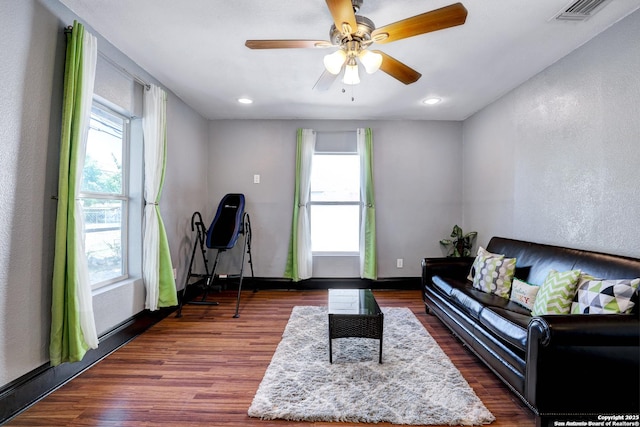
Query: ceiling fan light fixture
{"x":353,"y":33}
{"x":351,"y":76}
{"x":334,"y":61}
{"x":371,"y":61}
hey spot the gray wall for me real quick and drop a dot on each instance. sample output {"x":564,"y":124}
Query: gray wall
{"x":417,"y":183}
{"x":185,"y":186}
{"x":557,"y":159}
{"x":27,"y":214}
{"x":30,"y":112}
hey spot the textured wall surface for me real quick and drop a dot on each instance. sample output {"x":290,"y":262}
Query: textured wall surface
{"x":185,"y":187}
{"x":417,"y":181}
{"x":29,"y":37}
{"x":557,"y":159}
{"x":30,"y":113}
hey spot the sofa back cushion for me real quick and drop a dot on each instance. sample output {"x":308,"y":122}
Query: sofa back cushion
{"x":540,"y":258}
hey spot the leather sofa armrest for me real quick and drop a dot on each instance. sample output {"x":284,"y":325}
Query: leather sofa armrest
{"x":586,"y":329}
{"x":455,"y":268}
{"x":572,"y":360}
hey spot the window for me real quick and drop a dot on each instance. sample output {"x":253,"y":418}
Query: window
{"x":104,"y":196}
{"x":335,"y":203}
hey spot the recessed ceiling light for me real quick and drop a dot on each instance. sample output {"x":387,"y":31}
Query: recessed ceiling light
{"x":245,"y":101}
{"x":431,"y":101}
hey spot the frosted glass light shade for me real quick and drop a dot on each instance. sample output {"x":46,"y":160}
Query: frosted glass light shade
{"x":333,"y":62}
{"x":351,"y":76}
{"x":371,"y":61}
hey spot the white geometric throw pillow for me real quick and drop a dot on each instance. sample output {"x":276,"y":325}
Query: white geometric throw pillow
{"x":605,"y":296}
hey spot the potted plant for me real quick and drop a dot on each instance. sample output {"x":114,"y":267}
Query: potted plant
{"x":459,"y":244}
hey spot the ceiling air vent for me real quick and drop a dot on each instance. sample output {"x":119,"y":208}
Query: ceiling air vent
{"x":580,"y":10}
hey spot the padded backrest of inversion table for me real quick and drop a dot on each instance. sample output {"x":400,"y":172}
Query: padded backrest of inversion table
{"x":227,"y":224}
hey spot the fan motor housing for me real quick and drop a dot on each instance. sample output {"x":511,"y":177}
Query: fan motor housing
{"x":362,"y":33}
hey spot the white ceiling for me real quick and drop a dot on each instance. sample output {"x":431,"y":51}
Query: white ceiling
{"x":196,"y":49}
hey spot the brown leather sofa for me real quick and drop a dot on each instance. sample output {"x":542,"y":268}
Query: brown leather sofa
{"x":563,"y":367}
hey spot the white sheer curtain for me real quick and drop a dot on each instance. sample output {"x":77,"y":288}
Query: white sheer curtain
{"x":83,"y":289}
{"x":300,"y":260}
{"x":305,"y":258}
{"x":156,"y":261}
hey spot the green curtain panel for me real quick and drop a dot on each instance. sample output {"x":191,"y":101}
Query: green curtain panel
{"x":299,"y":259}
{"x":368,"y":256}
{"x":157,"y":269}
{"x":72,"y":323}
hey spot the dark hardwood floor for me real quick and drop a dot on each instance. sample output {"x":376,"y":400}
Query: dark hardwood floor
{"x":204,"y":368}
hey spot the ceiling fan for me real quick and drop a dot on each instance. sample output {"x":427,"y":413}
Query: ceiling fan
{"x":354,"y":34}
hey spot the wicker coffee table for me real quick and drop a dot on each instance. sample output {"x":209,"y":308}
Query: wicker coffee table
{"x":354,"y":313}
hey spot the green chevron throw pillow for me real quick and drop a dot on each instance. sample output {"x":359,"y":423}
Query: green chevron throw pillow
{"x":556,"y":293}
{"x":599,"y":296}
{"x":494,"y":275}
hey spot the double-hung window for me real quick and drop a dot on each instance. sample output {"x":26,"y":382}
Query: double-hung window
{"x":335,"y":196}
{"x":104,"y":196}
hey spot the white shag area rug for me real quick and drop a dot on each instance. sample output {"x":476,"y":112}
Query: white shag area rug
{"x":415,"y":384}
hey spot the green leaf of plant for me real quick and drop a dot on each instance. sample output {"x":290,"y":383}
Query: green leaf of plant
{"x":456,"y":232}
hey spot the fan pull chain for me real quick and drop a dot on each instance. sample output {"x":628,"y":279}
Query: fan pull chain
{"x":353,"y":98}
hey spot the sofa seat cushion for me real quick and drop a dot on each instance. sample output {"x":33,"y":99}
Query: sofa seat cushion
{"x":469,"y":303}
{"x":444,"y":285}
{"x":508,"y":325}
{"x":472,"y":300}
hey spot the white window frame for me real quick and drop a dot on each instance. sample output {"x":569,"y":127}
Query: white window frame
{"x":123,"y":197}
{"x":357,"y":203}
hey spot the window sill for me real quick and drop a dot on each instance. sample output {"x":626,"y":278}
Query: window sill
{"x":111,"y":286}
{"x":336,"y":254}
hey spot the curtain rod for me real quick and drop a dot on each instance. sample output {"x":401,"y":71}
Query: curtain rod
{"x":116,"y":65}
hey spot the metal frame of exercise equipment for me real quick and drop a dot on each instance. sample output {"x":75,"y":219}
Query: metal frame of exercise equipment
{"x":205,"y":240}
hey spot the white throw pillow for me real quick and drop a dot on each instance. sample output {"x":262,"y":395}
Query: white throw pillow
{"x":523,"y":293}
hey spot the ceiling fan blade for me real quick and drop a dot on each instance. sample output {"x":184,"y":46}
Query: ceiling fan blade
{"x":286,"y":44}
{"x":397,"y":69}
{"x":325,"y":81}
{"x":342,"y":12}
{"x":439,"y":19}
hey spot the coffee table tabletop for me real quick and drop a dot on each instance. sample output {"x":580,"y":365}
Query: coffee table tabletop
{"x":354,"y":313}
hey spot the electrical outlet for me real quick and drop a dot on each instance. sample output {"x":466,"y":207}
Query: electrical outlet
{"x":399,"y":263}
{"x":175,"y":273}
{"x":256,"y":179}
